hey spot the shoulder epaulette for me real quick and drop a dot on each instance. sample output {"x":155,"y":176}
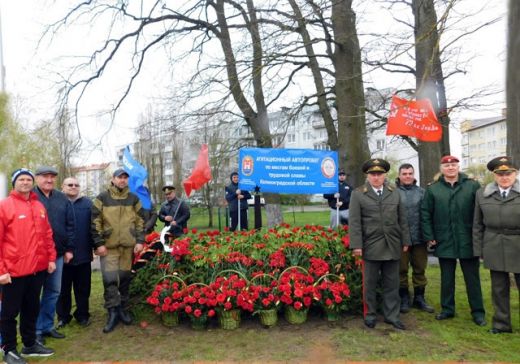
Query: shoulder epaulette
{"x":390,"y":187}
{"x":362,"y":189}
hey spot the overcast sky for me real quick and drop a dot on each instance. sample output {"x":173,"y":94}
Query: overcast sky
{"x":30,"y":71}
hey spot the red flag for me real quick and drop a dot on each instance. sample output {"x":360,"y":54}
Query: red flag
{"x":201,"y":173}
{"x":413,"y":118}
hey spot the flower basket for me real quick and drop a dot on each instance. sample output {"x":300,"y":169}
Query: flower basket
{"x":331,"y":315}
{"x":229,"y":320}
{"x":294,"y":316}
{"x":268,"y":318}
{"x":198,"y":323}
{"x":331,"y":295}
{"x":170,"y":319}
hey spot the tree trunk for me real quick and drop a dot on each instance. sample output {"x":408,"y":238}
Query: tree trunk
{"x":350,"y":98}
{"x":430,"y":84}
{"x":513,"y":82}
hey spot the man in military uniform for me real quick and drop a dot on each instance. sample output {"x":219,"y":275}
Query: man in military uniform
{"x":174,"y":212}
{"x":496,"y":236}
{"x":446,"y":221}
{"x":339,"y":202}
{"x":378,"y":233}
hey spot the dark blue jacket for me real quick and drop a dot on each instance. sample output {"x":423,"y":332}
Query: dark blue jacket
{"x":84,"y":244}
{"x":345,"y":190}
{"x":231,"y":197}
{"x":61,"y":216}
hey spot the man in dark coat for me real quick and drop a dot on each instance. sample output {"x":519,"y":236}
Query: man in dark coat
{"x":378,"y":233}
{"x":237,"y":201}
{"x":339,"y":202}
{"x":77,"y":273}
{"x":61,"y":217}
{"x":417,"y":254}
{"x":174,"y":212}
{"x":446,"y":221}
{"x":496,"y":236}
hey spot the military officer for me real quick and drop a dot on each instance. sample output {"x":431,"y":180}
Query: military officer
{"x":378,"y":233}
{"x":496,"y":236}
{"x":447,"y":220}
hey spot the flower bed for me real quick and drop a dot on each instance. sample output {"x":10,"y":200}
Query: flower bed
{"x":253,"y":271}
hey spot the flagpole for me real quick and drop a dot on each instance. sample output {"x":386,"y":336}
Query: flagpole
{"x":239,"y":212}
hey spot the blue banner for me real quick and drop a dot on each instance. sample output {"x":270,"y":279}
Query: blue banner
{"x":137,"y":174}
{"x":303,"y":171}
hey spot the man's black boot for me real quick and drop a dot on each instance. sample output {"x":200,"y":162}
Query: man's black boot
{"x":419,"y":301}
{"x":112,"y":321}
{"x":405,"y":300}
{"x":124,"y":315}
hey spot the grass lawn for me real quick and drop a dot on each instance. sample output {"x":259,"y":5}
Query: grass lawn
{"x":297,"y":215}
{"x":315,"y":341}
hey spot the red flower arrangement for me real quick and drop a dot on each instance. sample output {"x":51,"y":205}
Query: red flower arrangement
{"x":264,"y":292}
{"x":296,"y":288}
{"x":199,"y":301}
{"x":166,"y":297}
{"x":232,"y":293}
{"x":332,"y":294}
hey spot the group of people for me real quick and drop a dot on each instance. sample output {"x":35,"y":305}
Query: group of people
{"x":48,"y":237}
{"x":47,"y":241}
{"x":392,"y":226}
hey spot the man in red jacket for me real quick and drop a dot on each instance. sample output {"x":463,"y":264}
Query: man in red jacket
{"x":26,"y":253}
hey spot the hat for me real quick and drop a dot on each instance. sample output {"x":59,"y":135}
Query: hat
{"x":501,"y":164}
{"x":46,"y":170}
{"x":19,"y":172}
{"x":449,"y":159}
{"x":341,"y":171}
{"x":118,"y":172}
{"x":168,"y":189}
{"x":377,"y":165}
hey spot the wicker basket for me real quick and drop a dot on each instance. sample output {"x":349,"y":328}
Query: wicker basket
{"x":198,"y":323}
{"x":268,"y":318}
{"x":170,"y":319}
{"x":294,"y":316}
{"x":229,"y":320}
{"x":331,"y":314}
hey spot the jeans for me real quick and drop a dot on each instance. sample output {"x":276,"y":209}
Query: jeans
{"x":50,"y":295}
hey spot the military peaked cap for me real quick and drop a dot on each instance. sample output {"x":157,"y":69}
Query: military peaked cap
{"x":376,"y":165}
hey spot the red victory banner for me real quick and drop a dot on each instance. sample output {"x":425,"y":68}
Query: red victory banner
{"x":413,"y":118}
{"x":201,"y":173}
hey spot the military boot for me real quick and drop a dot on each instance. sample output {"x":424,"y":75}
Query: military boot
{"x":419,"y":301}
{"x":124,"y":315}
{"x":405,"y":300}
{"x":112,"y":321}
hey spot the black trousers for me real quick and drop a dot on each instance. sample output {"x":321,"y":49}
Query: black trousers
{"x":77,"y":277}
{"x":470,"y":270}
{"x":243,"y":220}
{"x":21,"y":296}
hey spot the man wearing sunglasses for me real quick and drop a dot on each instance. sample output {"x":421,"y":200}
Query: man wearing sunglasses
{"x":77,"y":272}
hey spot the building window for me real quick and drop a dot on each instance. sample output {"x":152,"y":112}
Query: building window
{"x":503,"y":141}
{"x":307,"y":135}
{"x":291,"y":138}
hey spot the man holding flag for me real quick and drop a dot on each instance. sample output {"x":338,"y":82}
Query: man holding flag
{"x":174,"y":212}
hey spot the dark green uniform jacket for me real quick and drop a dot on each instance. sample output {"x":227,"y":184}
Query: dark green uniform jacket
{"x":447,"y":216}
{"x":378,"y":225}
{"x":496,"y":228}
{"x":117,"y":219}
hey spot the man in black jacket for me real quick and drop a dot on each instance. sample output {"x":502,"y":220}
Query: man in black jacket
{"x":237,"y":201}
{"x":174,"y":212}
{"x":61,"y":218}
{"x":339,"y":202}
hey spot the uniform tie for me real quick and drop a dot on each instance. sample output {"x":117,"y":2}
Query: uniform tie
{"x":504,"y":194}
{"x":379,"y":193}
